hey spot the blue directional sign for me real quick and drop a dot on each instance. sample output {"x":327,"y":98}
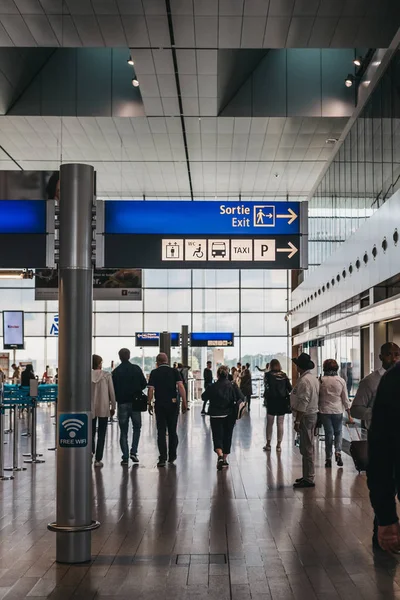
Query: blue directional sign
{"x":212,"y":339}
{"x":152,"y":338}
{"x":205,"y":218}
{"x":22,"y":216}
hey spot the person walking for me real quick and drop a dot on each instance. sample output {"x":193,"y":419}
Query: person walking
{"x":333,"y":401}
{"x":246,"y":386}
{"x":129,"y":382}
{"x":26,"y":375}
{"x":277,"y":388}
{"x":164,"y":385}
{"x":222,"y":396}
{"x":365,"y":397}
{"x":208,"y":380}
{"x":103,"y":406}
{"x":383,"y":471}
{"x":16,"y":376}
{"x":304,"y":402}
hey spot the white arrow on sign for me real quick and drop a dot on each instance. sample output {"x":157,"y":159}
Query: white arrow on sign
{"x":291,"y":216}
{"x":292,"y":250}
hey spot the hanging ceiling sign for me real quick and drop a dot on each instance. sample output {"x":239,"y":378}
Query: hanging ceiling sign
{"x":206,"y":218}
{"x":212,"y":339}
{"x":152,"y":338}
{"x":175,"y":234}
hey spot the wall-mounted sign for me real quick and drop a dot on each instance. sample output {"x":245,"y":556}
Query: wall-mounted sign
{"x":73,"y":430}
{"x":13,"y":329}
{"x":152,"y":338}
{"x":108,"y":284}
{"x":212,"y":339}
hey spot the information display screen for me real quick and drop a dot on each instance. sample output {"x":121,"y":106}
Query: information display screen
{"x":13,"y":329}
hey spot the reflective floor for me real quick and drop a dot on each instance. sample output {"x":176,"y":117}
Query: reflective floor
{"x":188,"y":532}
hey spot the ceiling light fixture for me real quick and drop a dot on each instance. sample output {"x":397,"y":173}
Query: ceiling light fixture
{"x":130,"y":61}
{"x":135,"y":82}
{"x":358,"y":61}
{"x":331,"y":140}
{"x":348,"y":82}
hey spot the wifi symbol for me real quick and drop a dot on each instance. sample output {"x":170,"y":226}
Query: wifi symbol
{"x":72,"y":426}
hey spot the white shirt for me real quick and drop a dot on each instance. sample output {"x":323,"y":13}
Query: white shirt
{"x":333,"y":398}
{"x":365,"y":396}
{"x":305,"y":394}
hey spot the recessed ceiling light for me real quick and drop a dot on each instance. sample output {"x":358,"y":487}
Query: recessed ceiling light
{"x":135,"y":83}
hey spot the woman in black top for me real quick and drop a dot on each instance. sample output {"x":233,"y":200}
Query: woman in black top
{"x":222,"y":409}
{"x":246,"y":386}
{"x":277,"y":388}
{"x":27,"y":375}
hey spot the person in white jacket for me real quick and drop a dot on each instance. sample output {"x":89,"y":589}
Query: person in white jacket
{"x":333,"y":401}
{"x":103,"y":406}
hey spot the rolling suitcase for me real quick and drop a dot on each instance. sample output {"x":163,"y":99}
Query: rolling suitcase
{"x":359,"y":452}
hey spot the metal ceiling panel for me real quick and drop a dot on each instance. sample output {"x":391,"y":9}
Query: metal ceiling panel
{"x":299,"y":32}
{"x":65,"y":30}
{"x":256,"y":7}
{"x":88,"y":30}
{"x":281,"y":8}
{"x":8,"y":7}
{"x":229,"y":32}
{"x":184,"y":30}
{"x":253,"y":31}
{"x":29,"y":7}
{"x":41,"y":30}
{"x":206,"y":30}
{"x":205,"y":7}
{"x":276,"y":32}
{"x":136,"y":31}
{"x":112,"y":31}
{"x":80,"y":7}
{"x":322,"y":32}
{"x":231,"y":7}
{"x":17,"y":30}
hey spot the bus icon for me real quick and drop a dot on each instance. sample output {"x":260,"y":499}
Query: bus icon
{"x":218,"y":249}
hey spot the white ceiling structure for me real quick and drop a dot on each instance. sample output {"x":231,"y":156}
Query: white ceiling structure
{"x":193,"y":153}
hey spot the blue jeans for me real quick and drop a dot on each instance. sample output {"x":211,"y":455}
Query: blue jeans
{"x":126,"y":413}
{"x":333,"y":429}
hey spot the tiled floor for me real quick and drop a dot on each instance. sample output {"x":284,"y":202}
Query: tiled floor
{"x":188,"y":532}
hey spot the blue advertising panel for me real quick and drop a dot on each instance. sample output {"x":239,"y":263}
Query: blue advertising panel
{"x":152,"y":338}
{"x":22,"y":216}
{"x":212,"y":339}
{"x":205,"y":218}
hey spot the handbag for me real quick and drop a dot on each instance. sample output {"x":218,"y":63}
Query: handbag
{"x":139,"y":404}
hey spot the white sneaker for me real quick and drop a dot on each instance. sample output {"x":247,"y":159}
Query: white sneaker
{"x":98,"y":463}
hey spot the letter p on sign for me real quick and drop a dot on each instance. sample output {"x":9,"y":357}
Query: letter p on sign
{"x":264,"y":250}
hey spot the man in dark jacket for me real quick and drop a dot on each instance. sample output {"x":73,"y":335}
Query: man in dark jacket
{"x":384,"y":460}
{"x":208,"y":380}
{"x":129,"y":382}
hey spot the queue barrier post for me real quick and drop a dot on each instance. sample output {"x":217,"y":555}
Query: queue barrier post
{"x":34,"y":454}
{"x":2,"y":476}
{"x":14,"y":409}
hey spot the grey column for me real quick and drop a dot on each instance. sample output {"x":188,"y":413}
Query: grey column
{"x":74,"y":478}
{"x":185,"y":345}
{"x":165,"y":344}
